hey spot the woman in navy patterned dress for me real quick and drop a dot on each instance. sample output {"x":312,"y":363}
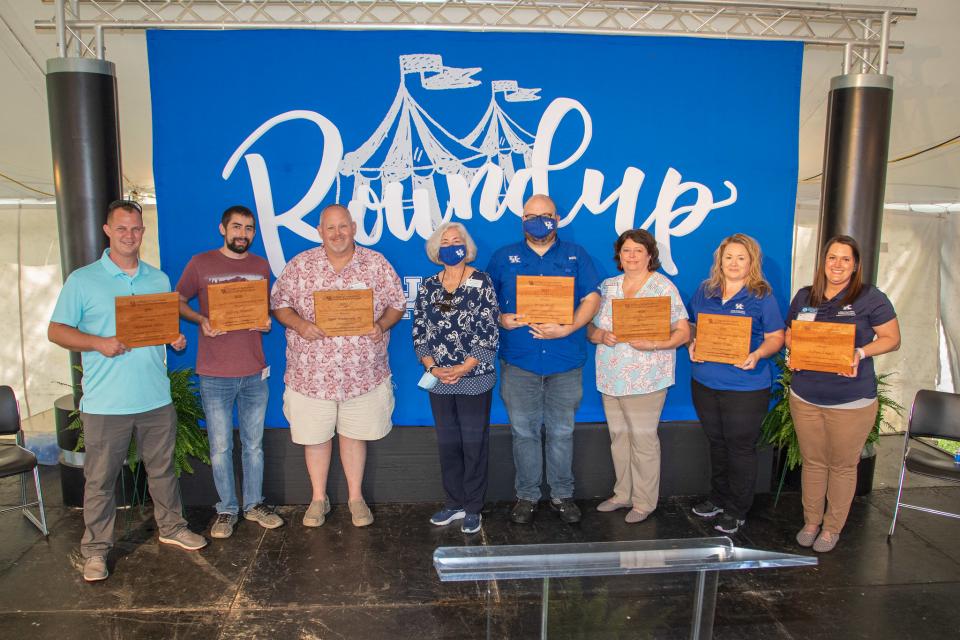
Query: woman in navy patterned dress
{"x":456,"y":335}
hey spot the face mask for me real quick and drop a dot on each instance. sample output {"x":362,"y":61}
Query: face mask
{"x":452,"y":254}
{"x":540,"y":227}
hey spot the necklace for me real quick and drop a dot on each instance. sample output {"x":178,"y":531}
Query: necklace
{"x":460,"y":282}
{"x":445,"y":305}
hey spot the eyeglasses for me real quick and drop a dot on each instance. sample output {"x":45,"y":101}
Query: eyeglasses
{"x":125,"y":204}
{"x":531,"y":216}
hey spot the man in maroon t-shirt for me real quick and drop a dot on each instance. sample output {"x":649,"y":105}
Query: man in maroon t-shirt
{"x":232,"y":371}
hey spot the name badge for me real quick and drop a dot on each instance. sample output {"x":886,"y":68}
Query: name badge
{"x":357,"y":286}
{"x":472,"y":283}
{"x":807,"y":314}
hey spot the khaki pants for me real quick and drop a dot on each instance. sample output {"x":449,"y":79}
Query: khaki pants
{"x":830,"y":443}
{"x":106,"y":439}
{"x":635,"y":447}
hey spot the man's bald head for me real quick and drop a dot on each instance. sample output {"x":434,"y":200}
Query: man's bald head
{"x":333,"y":209}
{"x":539,"y":204}
{"x":337,"y":230}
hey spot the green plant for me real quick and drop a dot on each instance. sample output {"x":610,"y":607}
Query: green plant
{"x":191,"y":440}
{"x":778,"y":430}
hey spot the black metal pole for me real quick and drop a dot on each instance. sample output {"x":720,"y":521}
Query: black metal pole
{"x":855,"y":163}
{"x":85,"y":140}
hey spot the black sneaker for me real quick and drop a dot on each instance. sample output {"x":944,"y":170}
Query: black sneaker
{"x":726,"y":523}
{"x":707,"y":509}
{"x":567,"y":508}
{"x":522,"y":512}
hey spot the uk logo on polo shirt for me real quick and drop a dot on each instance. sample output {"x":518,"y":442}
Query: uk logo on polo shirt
{"x":514,"y":259}
{"x":846,"y":311}
{"x":738,"y":309}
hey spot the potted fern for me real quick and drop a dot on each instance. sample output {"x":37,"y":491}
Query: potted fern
{"x":778,"y":429}
{"x":191,"y":439}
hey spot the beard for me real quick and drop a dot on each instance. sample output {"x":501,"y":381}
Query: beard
{"x":238,"y":248}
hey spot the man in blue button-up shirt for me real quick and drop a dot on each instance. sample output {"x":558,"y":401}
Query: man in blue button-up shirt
{"x":541,"y":364}
{"x":125,"y":391}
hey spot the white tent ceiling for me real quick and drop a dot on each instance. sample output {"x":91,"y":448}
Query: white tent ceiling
{"x":926,"y":103}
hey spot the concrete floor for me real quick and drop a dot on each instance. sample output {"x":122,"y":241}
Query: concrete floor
{"x":378,"y":582}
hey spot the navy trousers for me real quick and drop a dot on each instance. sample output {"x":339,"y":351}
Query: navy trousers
{"x":463,"y":438}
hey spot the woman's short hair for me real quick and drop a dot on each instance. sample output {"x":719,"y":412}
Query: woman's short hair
{"x":640,"y":236}
{"x":433,"y":242}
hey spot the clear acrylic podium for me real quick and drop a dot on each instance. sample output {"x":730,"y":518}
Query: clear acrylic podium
{"x":703,"y":556}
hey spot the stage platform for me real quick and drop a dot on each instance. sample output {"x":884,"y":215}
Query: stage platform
{"x":379,"y":582}
{"x":404,"y":467}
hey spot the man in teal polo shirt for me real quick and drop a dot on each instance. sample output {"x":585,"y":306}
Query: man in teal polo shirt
{"x":125,"y":391}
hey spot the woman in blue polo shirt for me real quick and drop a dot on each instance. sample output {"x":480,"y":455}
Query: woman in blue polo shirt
{"x":731,"y":400}
{"x":834,"y":414}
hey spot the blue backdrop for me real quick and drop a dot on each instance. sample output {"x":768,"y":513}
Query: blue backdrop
{"x":692,"y":139}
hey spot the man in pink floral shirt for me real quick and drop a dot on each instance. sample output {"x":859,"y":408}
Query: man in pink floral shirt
{"x":337,"y":384}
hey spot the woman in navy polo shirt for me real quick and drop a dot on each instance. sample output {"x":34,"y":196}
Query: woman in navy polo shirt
{"x":731,"y":400}
{"x":834,"y":414}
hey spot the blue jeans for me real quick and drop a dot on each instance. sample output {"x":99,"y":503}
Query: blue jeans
{"x":549,"y":401}
{"x":250,"y":396}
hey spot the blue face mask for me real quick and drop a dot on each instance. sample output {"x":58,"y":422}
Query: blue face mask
{"x":452,"y":254}
{"x":539,"y":226}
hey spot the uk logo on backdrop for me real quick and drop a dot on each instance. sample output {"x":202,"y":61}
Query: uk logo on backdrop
{"x":691,"y":140}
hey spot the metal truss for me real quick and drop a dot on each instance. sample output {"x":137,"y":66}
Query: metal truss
{"x":862,"y":31}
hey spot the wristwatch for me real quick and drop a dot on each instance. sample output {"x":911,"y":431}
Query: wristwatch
{"x":431,"y":368}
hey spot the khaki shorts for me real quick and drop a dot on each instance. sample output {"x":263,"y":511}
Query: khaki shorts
{"x":366,"y":417}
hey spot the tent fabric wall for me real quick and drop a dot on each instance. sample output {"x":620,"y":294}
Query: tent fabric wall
{"x":950,"y":302}
{"x":30,"y":276}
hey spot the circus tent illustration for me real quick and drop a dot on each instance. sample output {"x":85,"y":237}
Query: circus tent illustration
{"x":410,"y":147}
{"x":497,"y":135}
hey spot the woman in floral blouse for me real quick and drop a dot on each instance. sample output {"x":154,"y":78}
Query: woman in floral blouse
{"x":455,"y":335}
{"x":633,"y":377}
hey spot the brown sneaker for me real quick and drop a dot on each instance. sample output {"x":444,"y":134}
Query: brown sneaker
{"x":317,"y":512}
{"x":263,"y":515}
{"x":360,"y":513}
{"x":635,"y":516}
{"x":612,"y":505}
{"x":185,"y":539}
{"x":223,"y":526}
{"x":95,"y":569}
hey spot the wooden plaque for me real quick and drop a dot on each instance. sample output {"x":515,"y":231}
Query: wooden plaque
{"x":545,"y":299}
{"x":822,"y":346}
{"x":238,"y":305}
{"x":346,"y":312}
{"x":723,"y":338}
{"x":642,"y":319}
{"x":149,"y":320}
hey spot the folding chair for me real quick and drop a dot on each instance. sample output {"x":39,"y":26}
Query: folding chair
{"x":16,"y":460}
{"x":934,"y":414}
